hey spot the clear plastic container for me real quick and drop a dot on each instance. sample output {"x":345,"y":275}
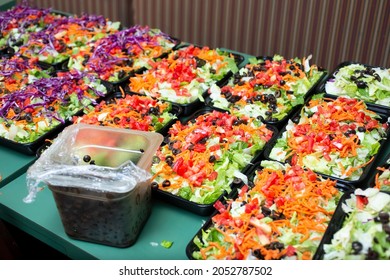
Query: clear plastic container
{"x":100,"y":180}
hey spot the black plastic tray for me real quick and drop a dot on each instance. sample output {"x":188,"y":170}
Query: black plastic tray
{"x":279,"y":124}
{"x":335,"y":225}
{"x":250,"y":172}
{"x":370,"y":105}
{"x":206,"y":209}
{"x":367,"y":170}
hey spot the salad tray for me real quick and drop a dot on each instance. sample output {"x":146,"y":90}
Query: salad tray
{"x":45,"y":107}
{"x":270,"y":88}
{"x":176,"y":80}
{"x":362,"y":232}
{"x":276,"y":150}
{"x":362,"y":81}
{"x":226,"y":161}
{"x":249,"y":209}
{"x":145,"y":113}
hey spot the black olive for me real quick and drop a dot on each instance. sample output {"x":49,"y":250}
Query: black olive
{"x":266,"y":211}
{"x":237,"y":181}
{"x":241,"y":83}
{"x":17,"y":110}
{"x":259,"y":97}
{"x":203,"y":140}
{"x":384,"y":217}
{"x":268,"y":113}
{"x":249,"y":101}
{"x":372,"y":255}
{"x":278,"y":94}
{"x":154,"y":111}
{"x":353,"y":78}
{"x":257,"y":254}
{"x":361,"y":129}
{"x":130,"y":62}
{"x":28,"y":117}
{"x":212,"y":158}
{"x":166,"y":139}
{"x":116,"y":120}
{"x":292,"y":67}
{"x":169,"y":160}
{"x":154,"y":185}
{"x":272,"y":106}
{"x":212,"y":71}
{"x":166,"y":183}
{"x":282,"y":82}
{"x":121,"y":74}
{"x":356,"y":247}
{"x":176,"y":151}
{"x":260,"y":118}
{"x":386,"y":228}
{"x":142,"y":150}
{"x":361,"y":84}
{"x":200,"y":62}
{"x":92,"y":162}
{"x":87,"y":158}
{"x":377,"y":77}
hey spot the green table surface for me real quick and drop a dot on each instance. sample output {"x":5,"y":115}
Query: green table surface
{"x":12,"y":164}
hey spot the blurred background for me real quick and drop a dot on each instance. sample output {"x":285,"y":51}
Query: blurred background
{"x":332,"y":31}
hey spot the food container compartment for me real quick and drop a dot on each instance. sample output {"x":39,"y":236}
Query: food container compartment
{"x":370,"y":104}
{"x":367,"y":170}
{"x":337,"y":223}
{"x":100,"y":180}
{"x":199,"y":208}
{"x":235,"y":109}
{"x":380,"y":177}
{"x":251,"y":172}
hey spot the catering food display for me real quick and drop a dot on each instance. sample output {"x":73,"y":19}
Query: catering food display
{"x":283,"y":158}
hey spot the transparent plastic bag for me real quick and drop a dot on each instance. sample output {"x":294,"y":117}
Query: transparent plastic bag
{"x":122,"y":157}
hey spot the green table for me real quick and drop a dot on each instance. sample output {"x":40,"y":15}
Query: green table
{"x":12,"y":164}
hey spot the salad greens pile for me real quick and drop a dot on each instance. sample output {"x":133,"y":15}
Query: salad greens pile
{"x":365,"y":232}
{"x":371,"y":84}
{"x":334,"y":137}
{"x":281,"y":214}
{"x":29,"y":113}
{"x":267,"y":88}
{"x":185,"y":74}
{"x":201,"y":159}
{"x":132,"y":112}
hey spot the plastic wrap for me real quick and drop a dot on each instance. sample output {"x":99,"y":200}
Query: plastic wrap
{"x":63,"y":163}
